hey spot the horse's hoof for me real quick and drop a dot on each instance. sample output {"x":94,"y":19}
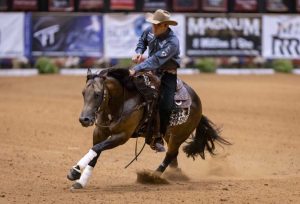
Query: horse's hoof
{"x":74,"y":173}
{"x":76,"y":186}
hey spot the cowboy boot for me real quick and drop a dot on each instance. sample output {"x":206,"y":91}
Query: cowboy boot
{"x":157,"y":142}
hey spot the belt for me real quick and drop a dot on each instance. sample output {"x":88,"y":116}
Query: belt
{"x":170,"y":71}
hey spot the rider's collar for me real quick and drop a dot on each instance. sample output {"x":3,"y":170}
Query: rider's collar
{"x":164,"y":35}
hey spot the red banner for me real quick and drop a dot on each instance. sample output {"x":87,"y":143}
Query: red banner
{"x":185,"y":5}
{"x":245,"y":5}
{"x":61,"y":5}
{"x":122,"y":4}
{"x":152,"y":5}
{"x":214,"y":5}
{"x":298,"y":5}
{"x":90,"y":4}
{"x":3,"y":5}
{"x":25,"y":5}
{"x":276,"y":6}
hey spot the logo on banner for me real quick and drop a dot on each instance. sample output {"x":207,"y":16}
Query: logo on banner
{"x":286,"y":42}
{"x":211,"y":36}
{"x":248,"y":26}
{"x":46,"y":36}
{"x":67,"y":35}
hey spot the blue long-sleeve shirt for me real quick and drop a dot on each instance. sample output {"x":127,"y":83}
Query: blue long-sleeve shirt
{"x":161,"y":49}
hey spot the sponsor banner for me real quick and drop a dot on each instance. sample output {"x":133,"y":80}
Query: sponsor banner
{"x":245,"y":5}
{"x":3,"y":5}
{"x":29,"y":5}
{"x":90,"y":4}
{"x":122,"y":4}
{"x":185,"y":5}
{"x":63,"y":35}
{"x":277,"y":6}
{"x":281,"y":37}
{"x":214,"y":5}
{"x":61,"y":5}
{"x":152,"y":5}
{"x":223,"y":36}
{"x":12,"y":35}
{"x":121,"y":33}
{"x":180,"y":31}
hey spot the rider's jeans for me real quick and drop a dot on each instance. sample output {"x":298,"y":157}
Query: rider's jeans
{"x":166,"y":101}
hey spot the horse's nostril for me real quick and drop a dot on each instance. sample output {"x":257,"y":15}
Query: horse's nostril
{"x":84,"y":119}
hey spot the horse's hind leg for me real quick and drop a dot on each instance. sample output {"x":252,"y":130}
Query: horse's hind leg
{"x":174,"y":163}
{"x":166,"y":162}
{"x":171,"y":156}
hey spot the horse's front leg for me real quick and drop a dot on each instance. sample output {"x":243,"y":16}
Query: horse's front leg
{"x":89,"y":160}
{"x":99,"y":135}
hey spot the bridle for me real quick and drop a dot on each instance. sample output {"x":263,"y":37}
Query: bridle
{"x":104,"y":105}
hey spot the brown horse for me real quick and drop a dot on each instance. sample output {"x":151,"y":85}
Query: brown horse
{"x":112,"y":102}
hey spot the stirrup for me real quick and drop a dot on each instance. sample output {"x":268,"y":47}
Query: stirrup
{"x":159,"y":147}
{"x":157,"y":144}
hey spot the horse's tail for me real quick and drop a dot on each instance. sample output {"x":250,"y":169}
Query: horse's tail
{"x":206,"y":134}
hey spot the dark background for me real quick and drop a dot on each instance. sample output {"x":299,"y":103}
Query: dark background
{"x":290,"y":6}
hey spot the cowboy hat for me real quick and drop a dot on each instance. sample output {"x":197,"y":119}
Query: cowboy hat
{"x":160,"y":16}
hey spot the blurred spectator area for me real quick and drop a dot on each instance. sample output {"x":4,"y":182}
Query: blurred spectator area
{"x":203,"y":6}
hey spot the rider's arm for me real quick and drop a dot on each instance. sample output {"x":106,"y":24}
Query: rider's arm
{"x":169,"y":50}
{"x":142,"y":43}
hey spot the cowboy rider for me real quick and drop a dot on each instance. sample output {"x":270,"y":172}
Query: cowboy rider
{"x":163,"y":60}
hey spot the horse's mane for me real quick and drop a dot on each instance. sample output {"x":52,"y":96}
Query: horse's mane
{"x":122,"y":75}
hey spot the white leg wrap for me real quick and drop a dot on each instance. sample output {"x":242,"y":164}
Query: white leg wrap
{"x":84,"y":161}
{"x":86,"y":174}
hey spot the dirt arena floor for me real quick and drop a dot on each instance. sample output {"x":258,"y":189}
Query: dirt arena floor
{"x":41,"y":139}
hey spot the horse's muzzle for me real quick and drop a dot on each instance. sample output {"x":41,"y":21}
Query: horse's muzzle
{"x":86,"y":121}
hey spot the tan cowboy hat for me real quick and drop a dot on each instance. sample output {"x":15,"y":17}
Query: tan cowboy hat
{"x":160,"y":16}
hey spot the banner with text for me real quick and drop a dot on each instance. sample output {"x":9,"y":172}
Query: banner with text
{"x":281,"y":37}
{"x":3,"y":5}
{"x":12,"y":35}
{"x":25,"y":5}
{"x":121,"y":33}
{"x":223,"y":36}
{"x":66,"y":35}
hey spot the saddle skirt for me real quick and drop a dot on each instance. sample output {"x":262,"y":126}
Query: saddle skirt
{"x":182,"y":98}
{"x":183,"y":101}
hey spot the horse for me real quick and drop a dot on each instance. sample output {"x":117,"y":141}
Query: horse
{"x":113,"y":104}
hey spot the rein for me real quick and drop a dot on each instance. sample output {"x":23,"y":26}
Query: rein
{"x":136,"y":155}
{"x":104,"y":106}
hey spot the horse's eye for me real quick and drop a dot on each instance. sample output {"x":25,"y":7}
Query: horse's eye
{"x":97,"y":95}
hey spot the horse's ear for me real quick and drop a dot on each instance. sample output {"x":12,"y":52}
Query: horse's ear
{"x":89,"y":72}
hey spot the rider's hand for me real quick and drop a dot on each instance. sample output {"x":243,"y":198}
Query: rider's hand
{"x":131,"y":72}
{"x":138,"y":58}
